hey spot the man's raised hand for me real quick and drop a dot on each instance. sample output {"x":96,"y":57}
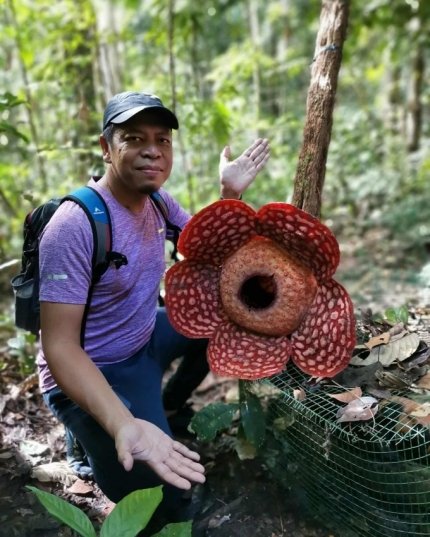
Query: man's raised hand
{"x":236,"y":175}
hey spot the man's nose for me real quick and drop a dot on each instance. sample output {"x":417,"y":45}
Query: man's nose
{"x":151,"y":151}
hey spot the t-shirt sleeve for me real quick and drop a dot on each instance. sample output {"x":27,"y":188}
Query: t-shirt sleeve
{"x":65,"y":254}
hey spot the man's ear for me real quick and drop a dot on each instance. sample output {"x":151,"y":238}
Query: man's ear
{"x":105,"y":149}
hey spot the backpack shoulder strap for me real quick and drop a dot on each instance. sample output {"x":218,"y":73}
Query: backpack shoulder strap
{"x":98,"y":215}
{"x":161,"y":205}
{"x":175,"y":230}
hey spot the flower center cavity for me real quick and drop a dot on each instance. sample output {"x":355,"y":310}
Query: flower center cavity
{"x":258,"y":292}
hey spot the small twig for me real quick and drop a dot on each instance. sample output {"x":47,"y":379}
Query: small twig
{"x":8,"y":264}
{"x":203,"y":523}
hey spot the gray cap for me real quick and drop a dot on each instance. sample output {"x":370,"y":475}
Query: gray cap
{"x":124,"y":106}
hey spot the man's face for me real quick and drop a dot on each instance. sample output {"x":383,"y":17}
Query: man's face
{"x":140,"y":154}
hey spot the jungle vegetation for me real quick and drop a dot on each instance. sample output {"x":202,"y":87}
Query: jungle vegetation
{"x":232,"y":70}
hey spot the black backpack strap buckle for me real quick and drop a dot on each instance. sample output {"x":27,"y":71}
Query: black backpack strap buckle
{"x":115,"y":259}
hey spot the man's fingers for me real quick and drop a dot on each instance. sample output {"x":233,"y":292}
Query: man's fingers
{"x":178,"y":465}
{"x":260,"y":165}
{"x":251,"y":148}
{"x":187,"y":464}
{"x":170,"y":476}
{"x":261,"y":145}
{"x":184,"y":450}
{"x":185,"y":468}
{"x":259,"y":157}
{"x":179,"y":471}
{"x":259,"y":152}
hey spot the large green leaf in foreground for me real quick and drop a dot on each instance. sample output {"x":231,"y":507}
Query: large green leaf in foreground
{"x":65,"y":512}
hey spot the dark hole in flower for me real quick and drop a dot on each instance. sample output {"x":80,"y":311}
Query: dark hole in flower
{"x":258,"y":291}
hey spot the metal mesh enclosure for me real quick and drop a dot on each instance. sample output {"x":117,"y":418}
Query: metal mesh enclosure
{"x":369,"y":479}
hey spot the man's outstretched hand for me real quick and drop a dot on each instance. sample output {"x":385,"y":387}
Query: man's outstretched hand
{"x":236,"y":175}
{"x":174,"y":463}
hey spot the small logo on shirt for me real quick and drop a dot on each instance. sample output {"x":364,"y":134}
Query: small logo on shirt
{"x":161,"y":230}
{"x":56,"y":277}
{"x":98,"y":211}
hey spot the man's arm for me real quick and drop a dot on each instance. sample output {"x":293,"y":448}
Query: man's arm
{"x":238,"y":174}
{"x":81,"y":380}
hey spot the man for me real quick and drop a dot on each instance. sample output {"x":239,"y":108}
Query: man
{"x":108,"y":394}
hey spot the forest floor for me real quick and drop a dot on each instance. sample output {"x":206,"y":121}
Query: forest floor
{"x":240,"y":498}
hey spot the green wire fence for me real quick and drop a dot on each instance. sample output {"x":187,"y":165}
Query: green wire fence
{"x":368,"y":478}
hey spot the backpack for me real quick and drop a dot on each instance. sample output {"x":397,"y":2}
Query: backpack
{"x":26,"y":284}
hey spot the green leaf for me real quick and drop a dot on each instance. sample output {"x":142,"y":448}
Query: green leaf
{"x":132,"y":513}
{"x":7,"y":128}
{"x":7,"y":101}
{"x":179,"y":529}
{"x":65,"y":512}
{"x":244,"y":448}
{"x":253,"y":419}
{"x":212,"y":419}
{"x":395,"y":315}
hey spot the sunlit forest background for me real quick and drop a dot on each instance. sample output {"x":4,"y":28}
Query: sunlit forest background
{"x":232,"y":70}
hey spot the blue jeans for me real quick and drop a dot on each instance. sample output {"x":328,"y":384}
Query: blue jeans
{"x":137,"y":382}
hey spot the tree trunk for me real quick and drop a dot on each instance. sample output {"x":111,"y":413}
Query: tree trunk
{"x":110,"y":68}
{"x":172,"y":73}
{"x":78,"y":51}
{"x":254,"y":29}
{"x":310,"y":174}
{"x":394,"y":114}
{"x":415,"y":109}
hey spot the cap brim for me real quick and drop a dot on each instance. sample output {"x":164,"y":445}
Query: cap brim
{"x":169,"y":118}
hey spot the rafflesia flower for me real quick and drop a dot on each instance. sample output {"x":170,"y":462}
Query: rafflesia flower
{"x":259,"y":286}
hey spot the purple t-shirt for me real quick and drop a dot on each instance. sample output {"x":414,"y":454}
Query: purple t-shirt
{"x":123,"y":305}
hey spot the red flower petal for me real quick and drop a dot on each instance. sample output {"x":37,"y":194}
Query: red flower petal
{"x":193,"y":302}
{"x":323,"y":343}
{"x":216,"y":231}
{"x":235,"y":352}
{"x":302,"y":235}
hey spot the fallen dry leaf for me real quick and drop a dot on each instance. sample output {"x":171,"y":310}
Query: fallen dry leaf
{"x":408,"y":405}
{"x":31,"y":448}
{"x":398,"y":350}
{"x":299,"y":394}
{"x":398,"y":330}
{"x":416,"y":413}
{"x":422,"y":411}
{"x":348,"y":396}
{"x":108,"y":508}
{"x":361,"y":409}
{"x":381,"y":339}
{"x":59,"y":472}
{"x":424,"y":382}
{"x":81,"y":488}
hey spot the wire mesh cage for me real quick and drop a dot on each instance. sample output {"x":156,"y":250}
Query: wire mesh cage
{"x":369,"y":478}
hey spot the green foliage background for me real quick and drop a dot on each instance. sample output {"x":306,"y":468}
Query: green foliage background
{"x":233,"y":70}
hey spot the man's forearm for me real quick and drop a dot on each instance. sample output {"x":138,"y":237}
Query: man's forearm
{"x":81,"y":380}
